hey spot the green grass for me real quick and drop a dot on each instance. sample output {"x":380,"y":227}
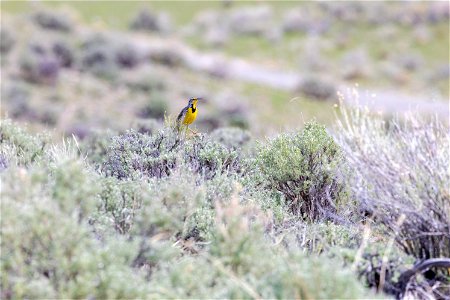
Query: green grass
{"x":117,"y":14}
{"x":270,"y":107}
{"x":434,"y":51}
{"x":437,"y":50}
{"x":284,"y":53}
{"x":281,"y":109}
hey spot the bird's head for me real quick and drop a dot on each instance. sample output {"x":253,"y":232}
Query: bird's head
{"x":193,"y":102}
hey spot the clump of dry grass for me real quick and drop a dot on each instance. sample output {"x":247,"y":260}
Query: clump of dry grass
{"x":401,"y":172}
{"x":401,"y":167}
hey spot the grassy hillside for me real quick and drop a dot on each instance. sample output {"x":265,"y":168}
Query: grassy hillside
{"x":62,"y":59}
{"x":400,"y":45}
{"x":285,"y":192}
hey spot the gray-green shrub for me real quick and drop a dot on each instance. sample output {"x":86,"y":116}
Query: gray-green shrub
{"x":48,"y":249}
{"x":105,"y":55}
{"x":95,"y":145}
{"x":17,"y":96}
{"x":317,"y":89}
{"x":25,"y":148}
{"x":70,"y":232}
{"x":38,"y":64}
{"x":239,"y":263}
{"x":147,"y":20}
{"x":231,"y":137}
{"x":53,"y":20}
{"x":134,"y":154}
{"x":155,"y":108}
{"x":97,"y":56}
{"x":210,"y":158}
{"x":304,"y":167}
{"x":7,"y":40}
{"x":64,"y":52}
{"x":127,"y":56}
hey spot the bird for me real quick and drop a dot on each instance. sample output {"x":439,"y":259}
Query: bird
{"x":188,"y":114}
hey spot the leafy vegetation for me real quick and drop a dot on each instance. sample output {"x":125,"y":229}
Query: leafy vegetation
{"x":100,"y":229}
{"x":134,"y":154}
{"x":123,"y":206}
{"x":303,"y":167}
{"x":197,"y":216}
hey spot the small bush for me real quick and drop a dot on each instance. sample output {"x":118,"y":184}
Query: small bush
{"x":148,"y":21}
{"x":177,"y":207}
{"x":104,"y":55}
{"x":27,"y":148}
{"x":209,"y":158}
{"x":235,"y":116}
{"x":16,"y":97}
{"x":95,"y":146}
{"x":232,"y":266}
{"x":304,"y":167}
{"x":253,"y":21}
{"x":56,"y":255}
{"x":98,"y":57}
{"x":232,"y":138}
{"x":170,"y":57}
{"x":168,"y":206}
{"x":53,"y":20}
{"x":6,"y":40}
{"x":127,"y":56}
{"x":238,"y":119}
{"x":317,"y":89}
{"x":64,"y":53}
{"x":134,"y":155}
{"x":39,"y":65}
{"x":73,"y":188}
{"x":156,"y":107}
{"x":172,"y":211}
{"x":119,"y":201}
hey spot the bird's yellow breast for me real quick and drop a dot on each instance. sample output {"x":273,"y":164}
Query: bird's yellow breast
{"x":190,"y":116}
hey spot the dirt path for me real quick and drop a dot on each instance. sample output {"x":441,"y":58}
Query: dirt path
{"x":216,"y":64}
{"x":393,"y":102}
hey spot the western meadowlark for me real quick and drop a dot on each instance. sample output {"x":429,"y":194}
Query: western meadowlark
{"x":188,"y":114}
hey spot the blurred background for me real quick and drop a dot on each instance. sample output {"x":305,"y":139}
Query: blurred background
{"x":267,"y":66}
